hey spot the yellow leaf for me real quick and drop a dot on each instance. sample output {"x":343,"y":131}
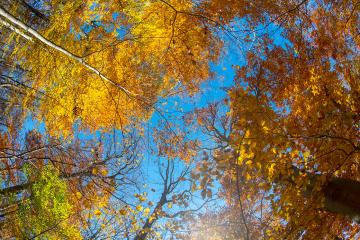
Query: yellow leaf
{"x":249,"y":162}
{"x":170,"y":205}
{"x":78,"y":195}
{"x":258,"y":165}
{"x":142,"y":198}
{"x":97,"y":212}
{"x":264,"y":127}
{"x":271,"y":170}
{"x":139,"y":208}
{"x":94,"y":171}
{"x":104,"y":172}
{"x":240,"y":160}
{"x":146,"y":211}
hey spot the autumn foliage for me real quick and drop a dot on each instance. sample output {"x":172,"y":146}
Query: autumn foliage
{"x":83,"y":133}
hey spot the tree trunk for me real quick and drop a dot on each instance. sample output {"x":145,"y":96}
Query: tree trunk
{"x":342,"y":196}
{"x":14,"y":189}
{"x":141,"y":235}
{"x":33,"y":10}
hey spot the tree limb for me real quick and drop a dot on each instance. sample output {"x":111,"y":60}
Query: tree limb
{"x":58,"y":48}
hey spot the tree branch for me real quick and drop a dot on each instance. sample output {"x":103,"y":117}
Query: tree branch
{"x":58,"y":48}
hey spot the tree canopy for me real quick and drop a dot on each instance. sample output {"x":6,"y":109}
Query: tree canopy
{"x":179,"y":119}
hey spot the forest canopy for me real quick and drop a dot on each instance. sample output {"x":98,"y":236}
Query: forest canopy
{"x":179,"y":119}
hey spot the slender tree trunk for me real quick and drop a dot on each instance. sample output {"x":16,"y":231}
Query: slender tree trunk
{"x":141,"y":235}
{"x":33,"y":10}
{"x":14,"y":189}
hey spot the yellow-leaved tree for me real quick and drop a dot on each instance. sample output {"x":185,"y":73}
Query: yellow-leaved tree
{"x":105,"y":63}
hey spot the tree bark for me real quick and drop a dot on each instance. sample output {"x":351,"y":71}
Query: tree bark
{"x":342,"y":196}
{"x":141,"y":235}
{"x":33,"y":10}
{"x":14,"y":189}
